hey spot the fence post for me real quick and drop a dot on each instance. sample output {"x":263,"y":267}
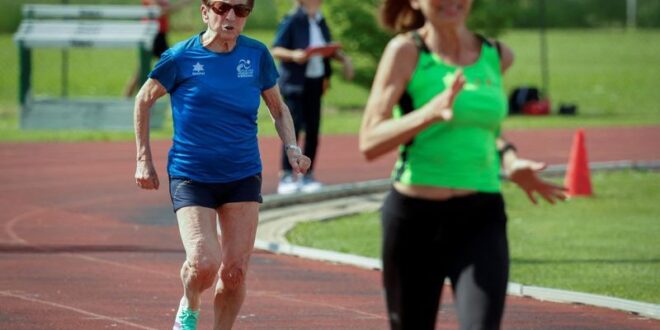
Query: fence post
{"x":145,"y":64}
{"x":631,"y":14}
{"x":25,"y":72}
{"x":545,"y":77}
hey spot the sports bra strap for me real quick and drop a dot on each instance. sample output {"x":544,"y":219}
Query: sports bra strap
{"x":487,"y":42}
{"x":419,"y":42}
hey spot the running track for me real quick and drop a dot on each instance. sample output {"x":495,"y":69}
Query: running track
{"x":81,"y":247}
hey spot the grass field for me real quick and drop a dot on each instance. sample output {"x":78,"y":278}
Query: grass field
{"x":609,"y":74}
{"x":607,"y":244}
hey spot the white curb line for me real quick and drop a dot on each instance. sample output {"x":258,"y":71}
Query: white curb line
{"x":360,"y":188}
{"x":321,"y":255}
{"x":515,"y":289}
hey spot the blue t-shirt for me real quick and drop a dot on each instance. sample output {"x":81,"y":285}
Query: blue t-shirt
{"x":215,"y":99}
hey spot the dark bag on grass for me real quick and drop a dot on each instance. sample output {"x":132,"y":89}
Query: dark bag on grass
{"x":520,"y":96}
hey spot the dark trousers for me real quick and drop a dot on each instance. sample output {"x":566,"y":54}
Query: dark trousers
{"x":426,"y":241}
{"x":305,"y":109}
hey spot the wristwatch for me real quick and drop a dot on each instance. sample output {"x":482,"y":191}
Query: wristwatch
{"x":294,"y":147}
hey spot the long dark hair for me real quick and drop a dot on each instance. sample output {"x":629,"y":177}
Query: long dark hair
{"x":399,"y":16}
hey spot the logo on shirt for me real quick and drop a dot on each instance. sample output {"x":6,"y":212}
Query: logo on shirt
{"x":449,"y":78}
{"x":244,"y":69}
{"x":198,"y":69}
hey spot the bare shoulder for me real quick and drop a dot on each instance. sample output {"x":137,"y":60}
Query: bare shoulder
{"x":402,"y":46}
{"x":506,"y":55}
{"x":400,"y":55}
{"x":396,"y":66}
{"x":402,"y":42}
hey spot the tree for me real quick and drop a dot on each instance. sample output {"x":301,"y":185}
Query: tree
{"x":355,"y":24}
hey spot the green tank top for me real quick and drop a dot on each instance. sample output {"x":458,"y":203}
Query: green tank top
{"x":460,"y":153}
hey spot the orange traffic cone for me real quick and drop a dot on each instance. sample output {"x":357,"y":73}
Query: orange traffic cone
{"x":578,"y":177}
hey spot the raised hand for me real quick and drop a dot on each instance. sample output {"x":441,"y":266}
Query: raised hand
{"x":443,"y":103}
{"x":524,"y":173}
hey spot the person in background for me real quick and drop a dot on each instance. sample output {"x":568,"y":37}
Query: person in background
{"x":438,"y":98}
{"x":160,"y":41}
{"x":305,"y":78}
{"x":215,"y":80}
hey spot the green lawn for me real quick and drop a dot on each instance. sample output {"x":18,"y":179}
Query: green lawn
{"x":607,"y":244}
{"x":609,"y":74}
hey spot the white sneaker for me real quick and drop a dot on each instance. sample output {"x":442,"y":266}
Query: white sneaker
{"x":287,"y":185}
{"x":308,"y":184}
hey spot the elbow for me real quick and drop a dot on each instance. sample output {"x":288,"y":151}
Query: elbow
{"x":368,"y":151}
{"x":369,"y":157}
{"x":368,"y":154}
{"x":367,"y":146}
{"x":143,"y":101}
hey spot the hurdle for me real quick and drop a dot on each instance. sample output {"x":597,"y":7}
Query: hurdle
{"x":83,"y":26}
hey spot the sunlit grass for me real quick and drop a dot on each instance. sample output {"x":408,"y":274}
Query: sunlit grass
{"x":606,"y":244}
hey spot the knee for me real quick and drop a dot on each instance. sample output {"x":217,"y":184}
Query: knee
{"x":232,"y":277}
{"x":201,"y":270}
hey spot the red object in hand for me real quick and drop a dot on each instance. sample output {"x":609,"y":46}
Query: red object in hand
{"x":325,"y":51}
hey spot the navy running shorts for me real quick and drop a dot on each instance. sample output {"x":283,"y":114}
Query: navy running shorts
{"x":186,"y":192}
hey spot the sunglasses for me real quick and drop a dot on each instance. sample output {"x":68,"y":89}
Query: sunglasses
{"x":221,"y":8}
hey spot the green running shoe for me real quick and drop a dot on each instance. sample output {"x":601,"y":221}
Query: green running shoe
{"x":185,"y":319}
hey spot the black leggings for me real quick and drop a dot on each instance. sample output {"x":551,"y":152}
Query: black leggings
{"x":305,"y":110}
{"x":425,"y":241}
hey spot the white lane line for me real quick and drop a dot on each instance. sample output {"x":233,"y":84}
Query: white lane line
{"x":74,"y":309}
{"x":122,"y":265}
{"x":9,"y":225}
{"x":15,"y":238}
{"x":308,"y":302}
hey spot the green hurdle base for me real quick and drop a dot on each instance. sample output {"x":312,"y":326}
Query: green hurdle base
{"x":86,"y":114}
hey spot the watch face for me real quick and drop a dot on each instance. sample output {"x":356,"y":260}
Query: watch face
{"x":292,"y":146}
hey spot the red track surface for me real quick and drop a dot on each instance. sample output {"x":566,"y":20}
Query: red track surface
{"x":81,"y":247}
